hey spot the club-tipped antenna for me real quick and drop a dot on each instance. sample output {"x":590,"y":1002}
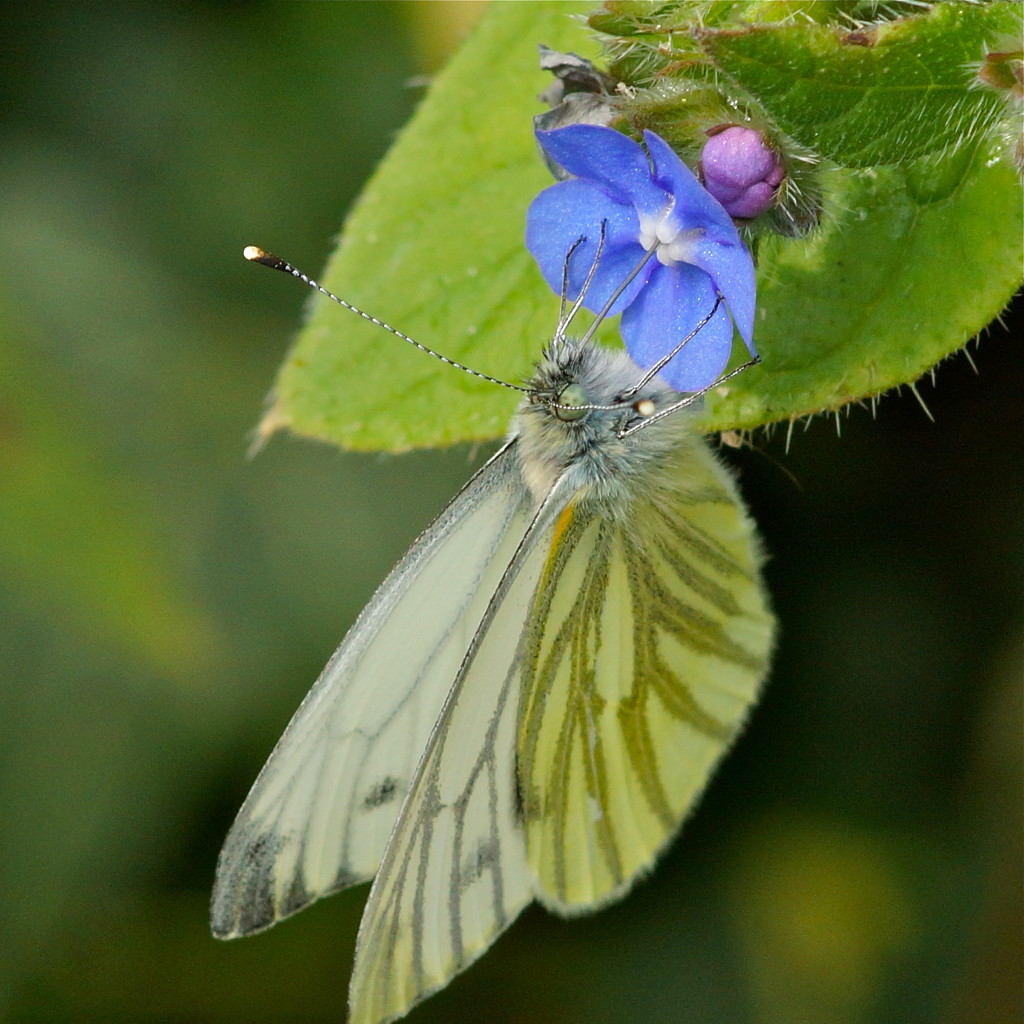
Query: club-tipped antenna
{"x":255,"y":254}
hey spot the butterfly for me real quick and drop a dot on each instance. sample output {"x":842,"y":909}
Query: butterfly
{"x":533,"y":699}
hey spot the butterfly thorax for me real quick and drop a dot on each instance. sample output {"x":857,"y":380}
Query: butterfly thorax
{"x":606,"y":458}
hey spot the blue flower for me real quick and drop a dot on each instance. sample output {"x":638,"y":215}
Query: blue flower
{"x":647,"y":204}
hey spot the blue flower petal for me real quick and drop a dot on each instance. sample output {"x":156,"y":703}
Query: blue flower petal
{"x":732,"y":271}
{"x":609,"y":159}
{"x":695,"y":205}
{"x":675,"y":300}
{"x":719,"y":253}
{"x":573,"y":209}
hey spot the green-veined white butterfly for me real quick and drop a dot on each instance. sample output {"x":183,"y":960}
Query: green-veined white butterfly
{"x":533,"y":699}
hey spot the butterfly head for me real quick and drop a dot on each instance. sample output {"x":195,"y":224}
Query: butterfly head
{"x":584,"y":414}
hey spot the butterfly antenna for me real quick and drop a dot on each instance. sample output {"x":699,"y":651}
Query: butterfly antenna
{"x":598,"y":320}
{"x":665,"y":360}
{"x":689,"y":399}
{"x":563,"y":320}
{"x":257,"y":255}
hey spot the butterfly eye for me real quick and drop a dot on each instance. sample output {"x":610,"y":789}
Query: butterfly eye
{"x":569,"y":397}
{"x":644,"y":407}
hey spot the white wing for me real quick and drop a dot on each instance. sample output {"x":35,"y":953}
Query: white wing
{"x":455,"y":873}
{"x":319,"y":816}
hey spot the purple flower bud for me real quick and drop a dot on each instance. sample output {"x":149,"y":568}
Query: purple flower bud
{"x":741,"y":171}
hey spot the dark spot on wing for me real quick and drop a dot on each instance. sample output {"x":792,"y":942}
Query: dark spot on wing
{"x":382,"y":793}
{"x":481,"y":860}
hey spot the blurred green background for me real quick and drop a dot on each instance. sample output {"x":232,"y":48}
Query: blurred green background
{"x":165,"y":602}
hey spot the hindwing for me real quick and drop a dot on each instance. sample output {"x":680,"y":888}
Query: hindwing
{"x":647,"y":643}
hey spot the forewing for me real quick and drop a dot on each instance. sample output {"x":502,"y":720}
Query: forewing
{"x":647,"y":646}
{"x":455,"y":873}
{"x":318,"y":817}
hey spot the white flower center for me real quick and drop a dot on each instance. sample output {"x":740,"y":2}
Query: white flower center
{"x":672,"y":243}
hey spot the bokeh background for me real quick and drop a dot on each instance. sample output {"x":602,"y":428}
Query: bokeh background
{"x":166,"y":601}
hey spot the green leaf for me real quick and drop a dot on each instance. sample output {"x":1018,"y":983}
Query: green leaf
{"x":913,"y":262}
{"x":887,"y":93}
{"x":435,"y":247}
{"x":910,"y":262}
